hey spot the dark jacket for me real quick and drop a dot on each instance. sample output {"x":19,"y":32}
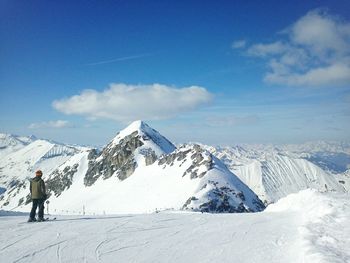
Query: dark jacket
{"x":37,"y":188}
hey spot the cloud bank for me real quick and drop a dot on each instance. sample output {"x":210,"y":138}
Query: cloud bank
{"x":122,"y":102}
{"x":50,"y":124}
{"x":314,"y":51}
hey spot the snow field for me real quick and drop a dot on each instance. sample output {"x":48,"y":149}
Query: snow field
{"x":324,"y":229}
{"x":162,"y":237}
{"x":305,"y":227}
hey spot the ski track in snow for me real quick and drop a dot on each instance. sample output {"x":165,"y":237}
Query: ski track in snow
{"x":283,"y":233}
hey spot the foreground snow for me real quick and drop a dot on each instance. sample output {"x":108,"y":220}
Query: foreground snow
{"x":303,"y":227}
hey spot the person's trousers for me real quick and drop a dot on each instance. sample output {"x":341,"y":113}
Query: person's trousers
{"x":35,"y":204}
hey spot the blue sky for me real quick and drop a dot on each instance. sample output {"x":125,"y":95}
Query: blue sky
{"x":223,"y":72}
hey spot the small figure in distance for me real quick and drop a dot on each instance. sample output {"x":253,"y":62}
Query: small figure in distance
{"x":38,"y":195}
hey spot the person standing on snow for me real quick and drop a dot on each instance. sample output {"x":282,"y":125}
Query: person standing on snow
{"x":38,"y":195}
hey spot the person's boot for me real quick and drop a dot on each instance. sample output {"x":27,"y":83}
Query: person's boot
{"x":41,"y":219}
{"x":31,"y":219}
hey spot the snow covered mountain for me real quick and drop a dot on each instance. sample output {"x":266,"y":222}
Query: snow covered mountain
{"x":18,"y":166}
{"x":136,"y":145}
{"x":11,"y":143}
{"x":138,"y":171}
{"x":141,"y":171}
{"x":274,"y":172}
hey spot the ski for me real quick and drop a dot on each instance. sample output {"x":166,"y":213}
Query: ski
{"x":46,"y":219}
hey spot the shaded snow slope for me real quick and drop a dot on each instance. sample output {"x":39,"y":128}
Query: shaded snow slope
{"x":304,"y":227}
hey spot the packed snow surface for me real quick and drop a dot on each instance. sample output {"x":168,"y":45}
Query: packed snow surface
{"x":305,"y":227}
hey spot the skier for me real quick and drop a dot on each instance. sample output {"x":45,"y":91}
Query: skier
{"x":38,"y":195}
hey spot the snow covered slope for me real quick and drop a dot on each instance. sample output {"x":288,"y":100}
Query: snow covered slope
{"x":344,"y":179}
{"x":40,"y":154}
{"x":17,"y":167}
{"x":188,"y":178}
{"x":139,"y":171}
{"x":273,"y":174}
{"x":305,"y":227}
{"x":324,"y":220}
{"x":10,"y":143}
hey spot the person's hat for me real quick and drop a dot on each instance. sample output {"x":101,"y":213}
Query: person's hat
{"x":38,"y":173}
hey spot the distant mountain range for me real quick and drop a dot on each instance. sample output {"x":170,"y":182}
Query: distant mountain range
{"x":140,"y":171}
{"x":273,"y":172}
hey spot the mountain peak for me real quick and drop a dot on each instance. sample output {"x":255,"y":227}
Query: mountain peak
{"x":136,"y":145}
{"x":14,"y":142}
{"x":137,"y":125}
{"x":147,"y":134}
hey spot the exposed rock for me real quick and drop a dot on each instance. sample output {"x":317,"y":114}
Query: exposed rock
{"x":115,"y":158}
{"x":92,"y":154}
{"x":150,"y":156}
{"x":61,"y":180}
{"x":189,"y":200}
{"x":28,"y":199}
{"x":14,"y":188}
{"x":220,"y":201}
{"x":168,"y":159}
{"x":199,"y":158}
{"x":21,"y":201}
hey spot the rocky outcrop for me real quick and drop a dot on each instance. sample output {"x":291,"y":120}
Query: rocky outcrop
{"x":119,"y":158}
{"x":13,"y":189}
{"x":198,"y":156}
{"x":61,"y":180}
{"x":221,"y":199}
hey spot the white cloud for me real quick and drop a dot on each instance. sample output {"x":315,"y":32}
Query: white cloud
{"x":262,"y":50}
{"x":321,"y":32}
{"x":314,"y":51}
{"x":122,"y":102}
{"x":335,"y":74}
{"x":50,"y":124}
{"x":239,"y":44}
